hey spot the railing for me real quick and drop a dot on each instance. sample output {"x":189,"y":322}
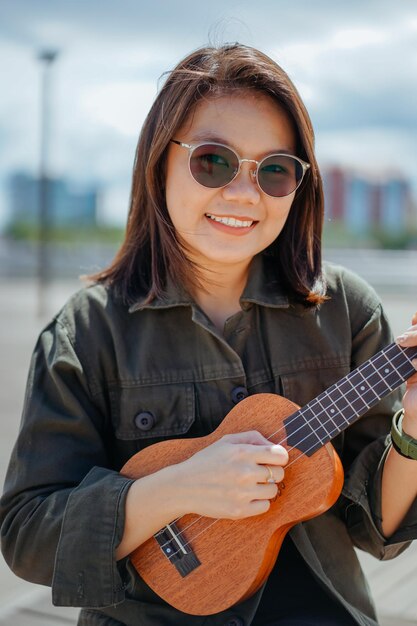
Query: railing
{"x":394,"y":269}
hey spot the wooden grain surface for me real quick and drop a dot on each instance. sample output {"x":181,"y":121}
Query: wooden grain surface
{"x":236,"y":556}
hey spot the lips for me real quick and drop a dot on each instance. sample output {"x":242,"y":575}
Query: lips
{"x":234,"y":222}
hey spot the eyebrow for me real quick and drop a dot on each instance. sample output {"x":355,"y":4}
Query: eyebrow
{"x":212,"y":137}
{"x":208,"y":136}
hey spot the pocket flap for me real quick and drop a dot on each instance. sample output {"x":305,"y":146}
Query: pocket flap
{"x":146,"y":412}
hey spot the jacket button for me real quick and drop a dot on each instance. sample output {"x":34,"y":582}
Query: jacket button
{"x":235,"y":621}
{"x":239,"y":393}
{"x":145,"y":420}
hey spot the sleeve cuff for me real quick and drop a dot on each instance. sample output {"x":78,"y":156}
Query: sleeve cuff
{"x":407,"y":531}
{"x":363,"y":511}
{"x":86,"y":572}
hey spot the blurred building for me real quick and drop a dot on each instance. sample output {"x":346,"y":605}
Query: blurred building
{"x":367,"y":203}
{"x":69,"y":204}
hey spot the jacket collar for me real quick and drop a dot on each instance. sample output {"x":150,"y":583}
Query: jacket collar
{"x":263,"y":287}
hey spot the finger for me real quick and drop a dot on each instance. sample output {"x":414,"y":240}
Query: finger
{"x":257,"y":507}
{"x":408,"y":338}
{"x":251,"y":437}
{"x":265,"y":491}
{"x":270,"y":455}
{"x":269,"y":474}
{"x":414,"y":318}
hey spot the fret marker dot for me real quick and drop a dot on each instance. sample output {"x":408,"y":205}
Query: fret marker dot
{"x":386,"y":370}
{"x":363,"y":388}
{"x":331,"y":410}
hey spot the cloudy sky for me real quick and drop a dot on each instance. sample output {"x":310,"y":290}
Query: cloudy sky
{"x":355,"y":64}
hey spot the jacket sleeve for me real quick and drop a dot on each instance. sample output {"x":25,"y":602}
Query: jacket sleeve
{"x":62,"y":511}
{"x":366,"y":445}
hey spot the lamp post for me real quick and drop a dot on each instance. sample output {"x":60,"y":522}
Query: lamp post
{"x":46,"y":57}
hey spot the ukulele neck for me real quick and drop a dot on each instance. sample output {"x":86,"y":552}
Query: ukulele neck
{"x":323,"y":418}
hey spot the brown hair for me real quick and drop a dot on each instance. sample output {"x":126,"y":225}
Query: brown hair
{"x":151,"y":251}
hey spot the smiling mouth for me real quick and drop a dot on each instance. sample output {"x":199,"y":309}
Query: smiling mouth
{"x":231,"y":221}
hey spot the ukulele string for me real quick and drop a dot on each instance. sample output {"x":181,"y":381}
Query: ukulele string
{"x":282,"y":428}
{"x":316,"y":400}
{"x":269,"y":437}
{"x":191,"y":539}
{"x":331,"y":435}
{"x":206,"y":528}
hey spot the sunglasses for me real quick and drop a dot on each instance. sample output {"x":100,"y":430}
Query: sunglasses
{"x":214,"y":165}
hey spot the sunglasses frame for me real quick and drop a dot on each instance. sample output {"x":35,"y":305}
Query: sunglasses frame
{"x":193,"y":146}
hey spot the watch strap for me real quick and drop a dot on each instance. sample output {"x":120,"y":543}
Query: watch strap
{"x":403,"y":443}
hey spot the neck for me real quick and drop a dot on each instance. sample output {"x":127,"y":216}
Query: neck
{"x":331,"y":412}
{"x":220,"y":293}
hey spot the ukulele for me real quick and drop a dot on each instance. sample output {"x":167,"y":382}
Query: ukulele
{"x":202,"y":565}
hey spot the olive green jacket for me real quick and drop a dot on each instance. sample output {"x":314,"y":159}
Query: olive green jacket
{"x":107,"y":380}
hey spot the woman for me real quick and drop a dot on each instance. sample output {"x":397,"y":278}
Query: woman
{"x":217,"y":292}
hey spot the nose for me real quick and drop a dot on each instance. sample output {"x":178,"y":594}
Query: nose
{"x":244,"y":187}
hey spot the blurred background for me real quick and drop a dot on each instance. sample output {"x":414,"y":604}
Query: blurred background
{"x":78,"y":78}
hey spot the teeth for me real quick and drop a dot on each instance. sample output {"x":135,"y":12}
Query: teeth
{"x":230,"y":221}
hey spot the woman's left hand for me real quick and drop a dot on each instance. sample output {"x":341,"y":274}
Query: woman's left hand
{"x":399,"y":478}
{"x":409,"y":340}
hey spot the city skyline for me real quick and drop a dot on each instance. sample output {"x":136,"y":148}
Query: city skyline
{"x":367,"y":202}
{"x":360,"y":201}
{"x":354,"y":65}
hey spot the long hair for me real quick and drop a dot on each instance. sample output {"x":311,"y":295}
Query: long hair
{"x":151,"y":251}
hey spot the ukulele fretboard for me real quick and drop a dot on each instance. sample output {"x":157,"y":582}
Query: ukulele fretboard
{"x":319,"y":421}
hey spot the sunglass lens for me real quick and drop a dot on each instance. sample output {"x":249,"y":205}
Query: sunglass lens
{"x":213,"y":166}
{"x":279,"y":175}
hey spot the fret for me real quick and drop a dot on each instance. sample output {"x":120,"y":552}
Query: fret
{"x":316,"y":424}
{"x":331,"y":415}
{"x":405,"y":367}
{"x":339,"y":409}
{"x":390,"y":365}
{"x":401,"y":357}
{"x":356,"y":399}
{"x":300,"y":429}
{"x":377,"y":380}
{"x":346,"y":394}
{"x":365,"y":390}
{"x":410,"y":353}
{"x":328,"y":411}
{"x":387,"y":369}
{"x":340,"y":405}
{"x":327,"y":402}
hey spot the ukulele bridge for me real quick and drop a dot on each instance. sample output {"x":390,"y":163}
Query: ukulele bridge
{"x":176,"y":549}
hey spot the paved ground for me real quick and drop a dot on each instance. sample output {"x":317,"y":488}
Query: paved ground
{"x":393,"y":583}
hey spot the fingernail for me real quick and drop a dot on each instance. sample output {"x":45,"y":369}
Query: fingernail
{"x":277,"y":449}
{"x":401,"y":338}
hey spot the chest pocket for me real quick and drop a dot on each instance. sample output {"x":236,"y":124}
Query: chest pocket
{"x":307,"y":383}
{"x":151,"y":412}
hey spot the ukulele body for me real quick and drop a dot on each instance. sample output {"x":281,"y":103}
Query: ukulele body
{"x":236,"y":556}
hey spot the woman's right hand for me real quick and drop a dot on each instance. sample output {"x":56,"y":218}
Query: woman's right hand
{"x":229,"y":478}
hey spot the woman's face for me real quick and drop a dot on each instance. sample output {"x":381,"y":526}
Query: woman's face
{"x":254,"y":126}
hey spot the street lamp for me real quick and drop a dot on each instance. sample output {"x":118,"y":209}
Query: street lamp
{"x":46,"y":57}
